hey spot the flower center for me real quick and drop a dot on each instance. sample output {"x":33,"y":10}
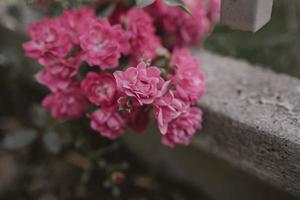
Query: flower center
{"x":98,"y":44}
{"x":104,"y":91}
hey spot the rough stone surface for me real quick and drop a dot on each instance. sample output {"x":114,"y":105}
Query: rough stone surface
{"x":251,"y":126}
{"x":248,"y":15}
{"x":205,"y":172}
{"x":253,"y":119}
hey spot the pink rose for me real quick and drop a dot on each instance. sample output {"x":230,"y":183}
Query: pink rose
{"x":182,"y":60}
{"x":178,"y":27}
{"x":76,"y":22}
{"x":144,"y":42}
{"x":48,"y":36}
{"x":103,"y":44}
{"x":108,"y":123}
{"x":56,"y":64}
{"x":100,"y":88}
{"x":67,"y":104}
{"x":53,"y":82}
{"x":143,"y":83}
{"x":166,"y":109}
{"x":188,"y":79}
{"x":123,"y":38}
{"x":190,"y":85}
{"x":182,"y":129}
{"x":58,"y":72}
{"x":194,"y":27}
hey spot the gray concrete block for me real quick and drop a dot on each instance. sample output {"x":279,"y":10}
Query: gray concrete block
{"x":252,"y":121}
{"x":248,"y":15}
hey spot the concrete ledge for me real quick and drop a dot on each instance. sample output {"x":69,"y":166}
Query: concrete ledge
{"x":247,"y":15}
{"x":252,"y":121}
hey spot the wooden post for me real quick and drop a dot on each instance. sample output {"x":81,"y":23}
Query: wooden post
{"x":247,"y":15}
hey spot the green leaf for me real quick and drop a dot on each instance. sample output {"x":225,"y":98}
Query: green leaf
{"x":18,"y":139}
{"x":106,"y":10}
{"x":38,"y":115}
{"x":52,"y":142}
{"x":178,"y":3}
{"x":143,"y":3}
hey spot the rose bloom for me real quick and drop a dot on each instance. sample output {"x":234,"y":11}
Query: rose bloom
{"x":48,"y":36}
{"x":123,"y":38}
{"x":76,"y":22}
{"x":183,"y":128}
{"x":52,"y":81}
{"x":108,"y":123}
{"x":194,"y":28}
{"x":143,"y":83}
{"x":103,"y":44}
{"x":183,"y":60}
{"x":57,"y":73}
{"x":144,"y":42}
{"x":166,"y":109}
{"x":180,"y":28}
{"x":100,"y":88}
{"x":190,"y":85}
{"x":67,"y":104}
{"x":188,"y":79}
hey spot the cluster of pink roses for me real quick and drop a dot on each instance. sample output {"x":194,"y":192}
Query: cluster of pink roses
{"x":85,"y":61}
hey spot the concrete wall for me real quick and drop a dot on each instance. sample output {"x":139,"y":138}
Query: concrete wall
{"x":248,"y":15}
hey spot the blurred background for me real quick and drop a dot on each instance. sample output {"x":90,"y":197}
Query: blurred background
{"x":43,"y":159}
{"x":275,"y":46}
